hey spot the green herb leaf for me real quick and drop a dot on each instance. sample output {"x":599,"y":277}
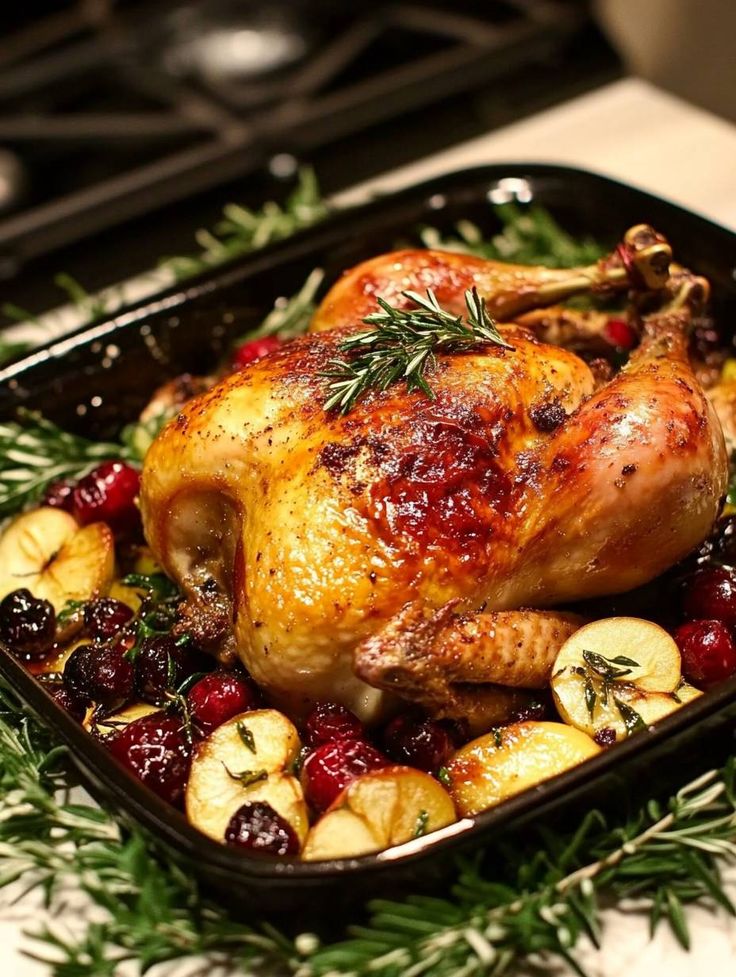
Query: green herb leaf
{"x":247,"y":777}
{"x":605,"y":667}
{"x":443,"y":775}
{"x":420,"y":828}
{"x":246,"y":735}
{"x":632,"y":719}
{"x":402,"y":345}
{"x":590,"y":696}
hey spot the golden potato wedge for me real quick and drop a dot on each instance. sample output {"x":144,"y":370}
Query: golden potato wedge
{"x":380,"y":809}
{"x":248,"y":758}
{"x":511,"y":759}
{"x":340,"y":834}
{"x":46,"y":551}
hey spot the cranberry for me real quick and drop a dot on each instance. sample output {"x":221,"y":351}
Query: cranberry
{"x":60,"y":495}
{"x":69,"y":703}
{"x":329,"y":721}
{"x":533,"y":712}
{"x":257,"y":827}
{"x":98,"y":673}
{"x":219,"y":696}
{"x":156,"y":750}
{"x":620,"y":334}
{"x":332,"y":766}
{"x":27,"y":624}
{"x":605,"y":737}
{"x":418,"y":742}
{"x":254,"y":349}
{"x":108,"y":495}
{"x":103,"y":618}
{"x":161,"y":665}
{"x":708,"y":652}
{"x":711,"y":593}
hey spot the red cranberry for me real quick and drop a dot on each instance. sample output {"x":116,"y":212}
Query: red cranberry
{"x":711,"y":594}
{"x":257,"y":827}
{"x":161,"y":665}
{"x":418,"y":742}
{"x":103,"y":618}
{"x":219,"y":696}
{"x":60,"y":495}
{"x":156,"y":750}
{"x":98,"y":673}
{"x":619,"y":333}
{"x":332,"y":766}
{"x":254,"y":349}
{"x":605,"y":737}
{"x":708,"y":652}
{"x":27,"y":624}
{"x":108,"y":495}
{"x":329,"y":721}
{"x":69,"y":703}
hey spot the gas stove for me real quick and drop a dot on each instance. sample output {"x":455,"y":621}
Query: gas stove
{"x":112,"y":114}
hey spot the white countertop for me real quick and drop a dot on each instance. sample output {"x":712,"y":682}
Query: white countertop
{"x":635,"y":133}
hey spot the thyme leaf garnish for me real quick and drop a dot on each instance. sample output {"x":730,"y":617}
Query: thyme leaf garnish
{"x":247,"y":777}
{"x":420,"y":828}
{"x":402,"y":345}
{"x":246,"y":735}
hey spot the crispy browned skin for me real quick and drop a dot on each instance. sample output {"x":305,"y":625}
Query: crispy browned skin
{"x":517,"y":486}
{"x":439,"y":658}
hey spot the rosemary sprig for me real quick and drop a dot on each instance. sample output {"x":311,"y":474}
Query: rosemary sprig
{"x":402,"y":344}
{"x":35,"y":452}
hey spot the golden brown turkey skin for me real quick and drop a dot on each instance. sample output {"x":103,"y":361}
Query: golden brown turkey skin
{"x":296,"y":534}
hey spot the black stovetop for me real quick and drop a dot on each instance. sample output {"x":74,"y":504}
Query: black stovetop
{"x":112,"y":114}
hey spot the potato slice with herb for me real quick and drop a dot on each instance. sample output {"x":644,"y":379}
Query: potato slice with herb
{"x":117,"y":720}
{"x":248,"y":758}
{"x":380,"y":809}
{"x":617,"y":674}
{"x":511,"y":759}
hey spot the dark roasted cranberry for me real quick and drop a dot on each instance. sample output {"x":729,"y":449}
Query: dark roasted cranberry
{"x":254,"y":349}
{"x":418,"y":742}
{"x":533,"y":712}
{"x":711,"y":594}
{"x":332,"y":766}
{"x":60,"y":495}
{"x":69,"y":703}
{"x":103,"y":618}
{"x":156,"y":750}
{"x":162,"y":665}
{"x":708,"y":652}
{"x":108,"y":495}
{"x":98,"y":673}
{"x":606,"y":736}
{"x":329,"y":721}
{"x":219,"y":696}
{"x":620,"y":334}
{"x":27,"y":624}
{"x":257,"y":827}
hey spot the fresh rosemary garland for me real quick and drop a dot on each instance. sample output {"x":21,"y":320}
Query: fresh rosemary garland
{"x":401,"y":345}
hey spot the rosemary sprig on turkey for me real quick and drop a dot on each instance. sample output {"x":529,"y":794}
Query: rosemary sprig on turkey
{"x":402,"y":344}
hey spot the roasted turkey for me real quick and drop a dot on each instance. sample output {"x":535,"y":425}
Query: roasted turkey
{"x":398,"y":548}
